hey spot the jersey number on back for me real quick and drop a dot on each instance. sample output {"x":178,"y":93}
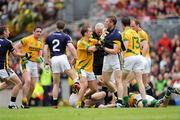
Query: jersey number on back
{"x":55,"y":43}
{"x":136,"y":43}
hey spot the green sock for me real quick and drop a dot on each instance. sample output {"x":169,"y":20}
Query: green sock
{"x":167,"y":94}
{"x":136,"y":87}
{"x":144,"y":103}
{"x":153,"y":103}
{"x":126,"y":98}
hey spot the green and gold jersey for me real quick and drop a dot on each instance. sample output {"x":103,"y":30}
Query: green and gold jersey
{"x":133,"y":42}
{"x":85,"y":58}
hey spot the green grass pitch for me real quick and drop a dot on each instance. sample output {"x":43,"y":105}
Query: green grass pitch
{"x":67,"y":113}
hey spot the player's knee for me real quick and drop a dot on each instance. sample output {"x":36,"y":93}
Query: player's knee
{"x":27,"y":83}
{"x":103,"y":94}
{"x":19,"y":84}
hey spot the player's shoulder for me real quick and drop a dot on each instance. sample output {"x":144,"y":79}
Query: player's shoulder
{"x":9,"y":41}
{"x":143,"y":32}
{"x":28,"y":37}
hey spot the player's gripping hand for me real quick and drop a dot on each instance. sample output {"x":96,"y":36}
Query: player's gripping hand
{"x":40,"y":59}
{"x":99,"y":47}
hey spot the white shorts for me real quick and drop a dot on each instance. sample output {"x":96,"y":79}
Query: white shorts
{"x":149,"y":99}
{"x":89,"y":75}
{"x":73,"y":99}
{"x":60,"y":64}
{"x":147,"y":65}
{"x":6,"y":74}
{"x":32,"y":67}
{"x":111,"y":63}
{"x":133,"y":63}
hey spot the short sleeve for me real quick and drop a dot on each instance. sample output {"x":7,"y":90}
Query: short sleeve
{"x":125,"y":36}
{"x":24,"y":41}
{"x":68,"y":39}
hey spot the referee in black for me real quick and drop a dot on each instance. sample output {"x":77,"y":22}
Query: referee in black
{"x":99,"y":54}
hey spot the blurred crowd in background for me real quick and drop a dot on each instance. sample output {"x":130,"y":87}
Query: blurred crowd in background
{"x":23,"y":15}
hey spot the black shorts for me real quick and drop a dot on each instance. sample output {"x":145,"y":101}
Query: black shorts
{"x":97,"y":70}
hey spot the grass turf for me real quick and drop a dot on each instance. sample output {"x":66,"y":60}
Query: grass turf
{"x":66,"y":113}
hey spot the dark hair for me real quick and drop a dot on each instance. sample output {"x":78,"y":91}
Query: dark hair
{"x":38,"y":26}
{"x":113,"y":19}
{"x":60,"y":24}
{"x":2,"y":29}
{"x":126,"y":21}
{"x":136,"y":22}
{"x":84,"y":29}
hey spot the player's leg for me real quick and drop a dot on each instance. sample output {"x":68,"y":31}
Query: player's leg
{"x":95,"y":99}
{"x":34,"y":78}
{"x":119,"y":84}
{"x":18,"y":85}
{"x":127,"y":76}
{"x":138,"y":77}
{"x":74,"y":76}
{"x":4,"y":85}
{"x":146,"y":75}
{"x":58,"y":67}
{"x":32,"y":87}
{"x":26,"y":87}
{"x":165,"y":100}
{"x":55,"y":91}
{"x":98,"y":95}
{"x":84,"y":85}
{"x":108,"y":63}
{"x":92,"y":84}
{"x":106,"y":80}
{"x":138,"y":71}
{"x":125,"y":80}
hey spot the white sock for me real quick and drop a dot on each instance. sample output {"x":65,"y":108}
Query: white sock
{"x":54,"y":98}
{"x":76,"y":80}
{"x":12,"y":103}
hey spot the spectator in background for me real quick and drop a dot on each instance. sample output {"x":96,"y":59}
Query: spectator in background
{"x":175,"y":42}
{"x":164,"y":43}
{"x":46,"y":82}
{"x":160,"y":85}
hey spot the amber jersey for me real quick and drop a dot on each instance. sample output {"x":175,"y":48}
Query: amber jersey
{"x":5,"y":48}
{"x":144,"y":37}
{"x":31,"y":45}
{"x":85,"y":58}
{"x":133,"y":39}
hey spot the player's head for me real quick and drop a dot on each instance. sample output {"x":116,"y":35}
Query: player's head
{"x":37,"y":31}
{"x":135,"y":24}
{"x":131,"y":100}
{"x":86,"y":31}
{"x":126,"y":21}
{"x":4,"y":31}
{"x":60,"y":24}
{"x":110,"y":22}
{"x":99,"y":27}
